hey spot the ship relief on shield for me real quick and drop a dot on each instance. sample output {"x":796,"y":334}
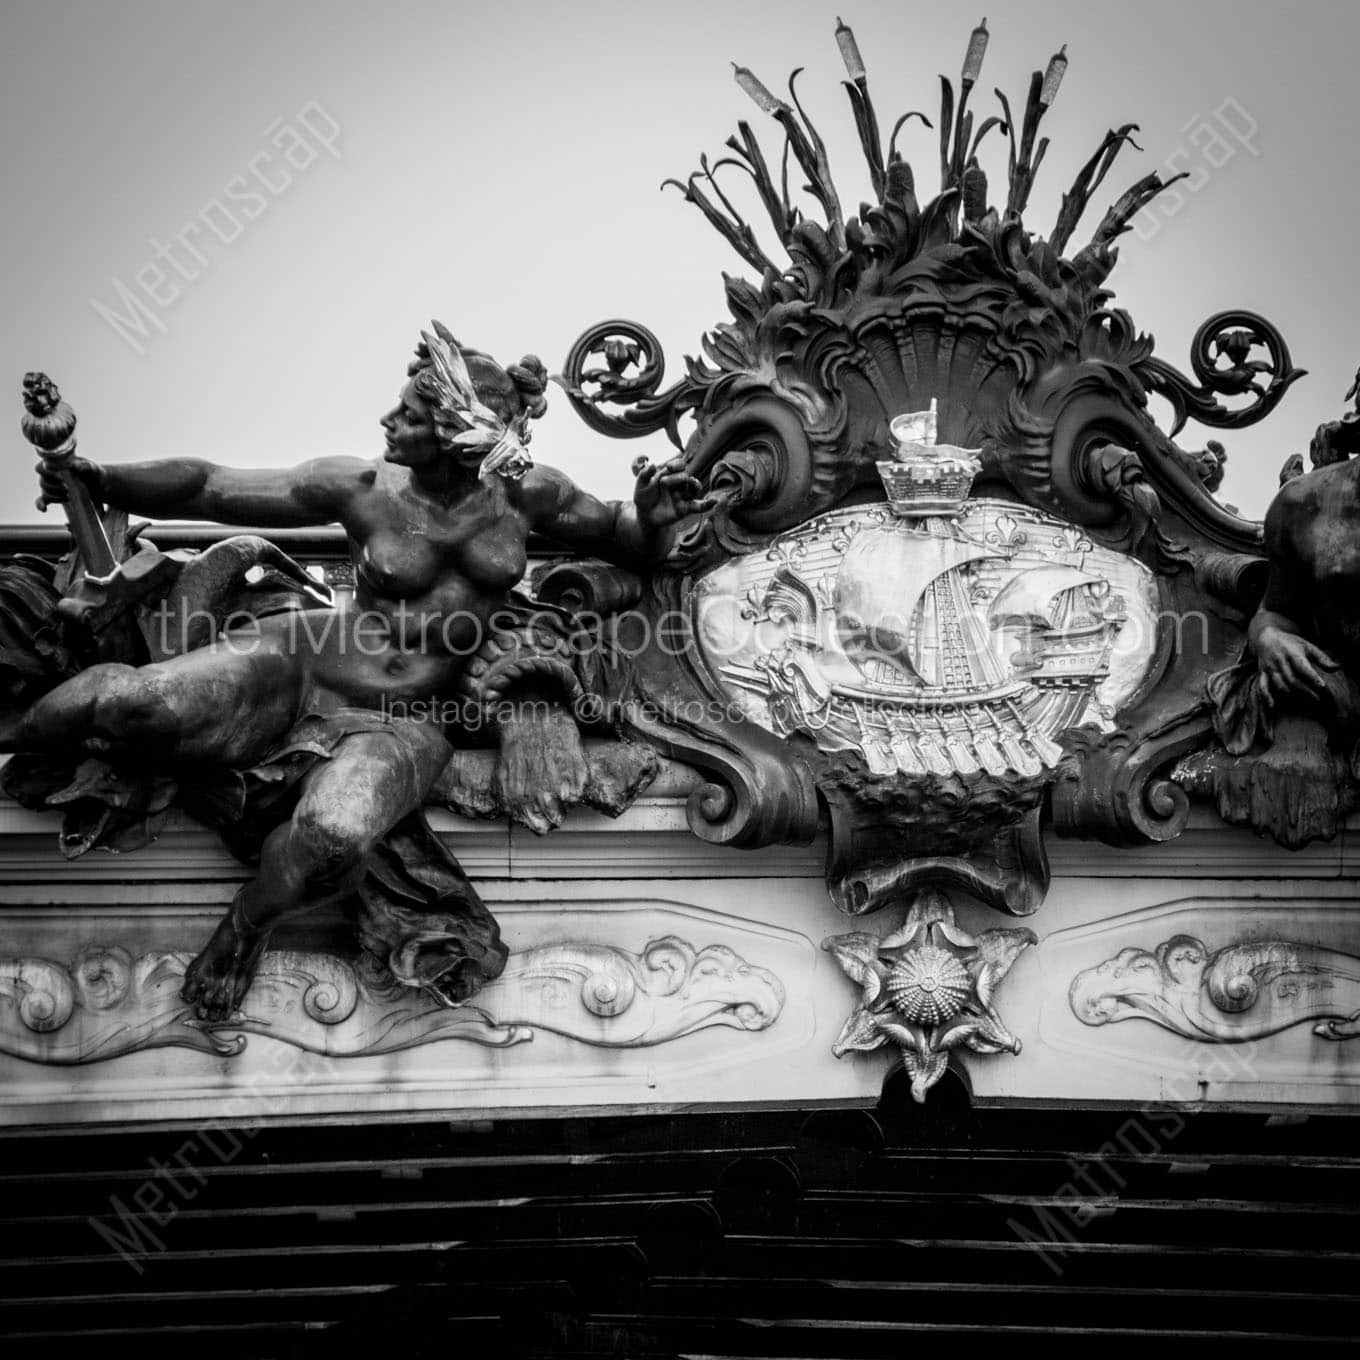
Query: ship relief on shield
{"x":934,"y":635}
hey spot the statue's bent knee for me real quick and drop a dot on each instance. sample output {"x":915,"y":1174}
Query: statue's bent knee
{"x":332,"y":843}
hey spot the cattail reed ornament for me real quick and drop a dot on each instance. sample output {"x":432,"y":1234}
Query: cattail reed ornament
{"x":854,"y":63}
{"x":760,"y":96}
{"x":901,"y":180}
{"x":974,"y":192}
{"x":1057,"y":67}
{"x":972,"y":61}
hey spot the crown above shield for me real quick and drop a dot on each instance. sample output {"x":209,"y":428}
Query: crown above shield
{"x":924,"y":477}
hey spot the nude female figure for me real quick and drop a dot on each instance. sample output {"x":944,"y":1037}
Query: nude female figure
{"x":437,"y":529}
{"x":1307,"y":628}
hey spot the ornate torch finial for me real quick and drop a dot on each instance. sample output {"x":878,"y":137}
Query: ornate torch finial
{"x":49,"y":424}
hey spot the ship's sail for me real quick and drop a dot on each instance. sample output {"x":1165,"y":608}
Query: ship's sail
{"x":920,"y":627}
{"x":1068,"y":626}
{"x":1031,"y":596}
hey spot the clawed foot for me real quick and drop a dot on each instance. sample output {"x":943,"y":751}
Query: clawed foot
{"x":542,"y":770}
{"x":217,"y":981}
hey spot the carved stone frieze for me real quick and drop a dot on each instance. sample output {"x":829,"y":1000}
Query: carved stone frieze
{"x":1231,"y":995}
{"x":106,"y":1003}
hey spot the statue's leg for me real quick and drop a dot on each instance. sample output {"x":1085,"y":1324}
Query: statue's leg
{"x":348,"y":804}
{"x":64,"y":718}
{"x":216,"y":704}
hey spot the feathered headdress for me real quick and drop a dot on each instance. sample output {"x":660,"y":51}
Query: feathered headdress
{"x":463,"y":420}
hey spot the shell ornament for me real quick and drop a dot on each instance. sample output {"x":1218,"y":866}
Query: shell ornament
{"x":929,"y":985}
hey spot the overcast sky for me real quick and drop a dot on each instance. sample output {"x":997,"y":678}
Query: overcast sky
{"x":497,"y":166}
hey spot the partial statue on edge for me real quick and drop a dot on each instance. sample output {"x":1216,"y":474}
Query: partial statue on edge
{"x":1288,"y":716}
{"x":333,"y":725}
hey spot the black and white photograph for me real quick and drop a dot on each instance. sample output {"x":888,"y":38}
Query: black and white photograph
{"x":678,"y":680}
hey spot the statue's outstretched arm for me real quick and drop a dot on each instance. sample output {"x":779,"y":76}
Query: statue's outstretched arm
{"x":625,"y":532}
{"x":560,"y":509}
{"x":316,"y":492}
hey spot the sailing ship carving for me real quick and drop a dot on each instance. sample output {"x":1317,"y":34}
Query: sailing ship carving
{"x":934,"y":634}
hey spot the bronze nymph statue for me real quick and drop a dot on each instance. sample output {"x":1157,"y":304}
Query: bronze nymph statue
{"x":1288,"y":714}
{"x":335,"y":719}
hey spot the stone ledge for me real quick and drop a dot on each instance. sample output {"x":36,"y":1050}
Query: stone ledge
{"x":652,"y":839}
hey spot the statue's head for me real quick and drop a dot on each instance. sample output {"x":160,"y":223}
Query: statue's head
{"x":460,"y":403}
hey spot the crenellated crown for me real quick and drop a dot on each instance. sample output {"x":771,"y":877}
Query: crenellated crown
{"x":925,"y":477}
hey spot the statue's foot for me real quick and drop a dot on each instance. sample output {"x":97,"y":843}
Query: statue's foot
{"x":217,"y":981}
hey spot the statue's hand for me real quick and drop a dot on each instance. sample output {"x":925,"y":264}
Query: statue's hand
{"x":541,"y":770}
{"x":665,"y":493}
{"x":54,"y":489}
{"x":1334,"y":441}
{"x":1290,"y":665}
